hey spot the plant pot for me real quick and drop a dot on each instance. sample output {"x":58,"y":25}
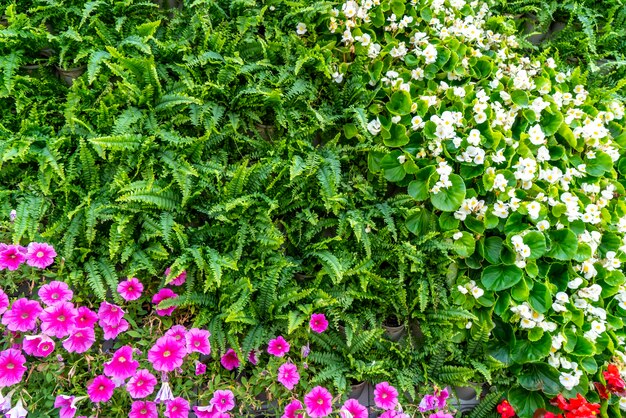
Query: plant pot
{"x":31,"y":69}
{"x":360,"y":392}
{"x":466,"y":398}
{"x":69,"y":75}
{"x":265,"y":131}
{"x":394,"y":329}
{"x":4,"y":21}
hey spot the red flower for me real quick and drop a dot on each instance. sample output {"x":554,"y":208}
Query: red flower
{"x":505,"y":409}
{"x":614,"y":382}
{"x":604,"y":394}
{"x":579,"y":407}
{"x":560,"y":402}
{"x":552,"y":415}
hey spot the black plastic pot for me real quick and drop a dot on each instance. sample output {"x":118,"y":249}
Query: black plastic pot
{"x":69,"y":75}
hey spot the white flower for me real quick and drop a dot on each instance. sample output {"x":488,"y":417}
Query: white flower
{"x":527,"y":323}
{"x":337,"y":77}
{"x":536,"y":135}
{"x":575,"y":283}
{"x":457,"y":236}
{"x":568,"y":380}
{"x":401,"y":159}
{"x":374,"y":126}
{"x":477,"y":292}
{"x":463,"y":289}
{"x":17,"y":411}
{"x":301,"y":28}
{"x":349,"y":9}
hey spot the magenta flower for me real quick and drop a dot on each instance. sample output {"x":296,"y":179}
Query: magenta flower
{"x":278,"y":346}
{"x":23,"y":315}
{"x":141,"y":384}
{"x":11,"y":367}
{"x":55,"y":292}
{"x":110,"y":314}
{"x":200,"y":368}
{"x":385,"y":396}
{"x":101,"y":389}
{"x":38,"y":345}
{"x":12,"y":256}
{"x":440,"y":414}
{"x":58,"y":320}
{"x":354,"y":408}
{"x":198,"y":340}
{"x":130,"y":289}
{"x":178,"y":280}
{"x":143,"y":409}
{"x":288,"y":375}
{"x":318,"y":322}
{"x":177,"y":408}
{"x":394,"y":414}
{"x":80,"y":340}
{"x":162,"y":295}
{"x":112,"y":331}
{"x":205,"y":411}
{"x":292,"y":408}
{"x":167,"y":354}
{"x":40,"y":255}
{"x":4,"y":302}
{"x":178,"y":332}
{"x":253,"y":356}
{"x":318,"y":402}
{"x":230,"y":360}
{"x":122,"y":365}
{"x":223,"y":400}
{"x":86,"y":318}
{"x":67,"y":405}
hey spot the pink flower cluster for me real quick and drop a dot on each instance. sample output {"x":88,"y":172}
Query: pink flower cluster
{"x":36,"y":254}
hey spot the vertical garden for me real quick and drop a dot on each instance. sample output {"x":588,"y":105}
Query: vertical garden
{"x":246,"y":208}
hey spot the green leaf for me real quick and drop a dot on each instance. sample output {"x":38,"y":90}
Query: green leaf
{"x":551,"y":122}
{"x":398,"y":136}
{"x":525,"y":403}
{"x":540,"y":377}
{"x":420,"y":223}
{"x":465,"y":245}
{"x":564,"y":244}
{"x":530,"y":351}
{"x":500,"y":277}
{"x":599,"y":165}
{"x":400,"y":103}
{"x":493,"y":249}
{"x":537,"y":243}
{"x":540,"y":298}
{"x":418,"y":188}
{"x":520,"y":98}
{"x":450,"y":199}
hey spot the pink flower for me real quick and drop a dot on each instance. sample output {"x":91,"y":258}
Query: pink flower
{"x":288,"y":375}
{"x":11,"y":367}
{"x":318,"y":402}
{"x":40,"y":255}
{"x":4,"y":302}
{"x":205,"y":411}
{"x":58,"y":320}
{"x":143,"y":409}
{"x":130,"y":289}
{"x":167,"y":354}
{"x":291,"y":409}
{"x":122,"y":365}
{"x":178,"y":332}
{"x":230,"y":360}
{"x":80,"y":340}
{"x":178,"y":280}
{"x":67,"y":405}
{"x":22,"y":316}
{"x":253,"y":356}
{"x":12,"y":256}
{"x":278,"y":347}
{"x":177,"y":408}
{"x":110,"y":314}
{"x":385,"y":396}
{"x":38,"y":345}
{"x":223,"y":400}
{"x":355,"y":409}
{"x":101,"y":389}
{"x":198,"y":340}
{"x":318,"y":322}
{"x":395,"y":414}
{"x":86,"y":318}
{"x":112,"y":331}
{"x":55,"y":292}
{"x":200,"y":368}
{"x":141,"y":384}
{"x":162,"y":295}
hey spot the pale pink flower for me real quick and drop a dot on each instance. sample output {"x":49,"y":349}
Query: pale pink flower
{"x":164,"y":394}
{"x":288,"y":375}
{"x":40,"y":255}
{"x":4,"y":302}
{"x":55,"y":292}
{"x":80,"y":340}
{"x":130,"y":289}
{"x":230,"y":360}
{"x":11,"y":256}
{"x":385,"y":396}
{"x":101,"y":389}
{"x":318,"y":402}
{"x":318,"y":323}
{"x":11,"y":367}
{"x":58,"y":320}
{"x":162,"y":295}
{"x":178,"y":280}
{"x":223,"y":400}
{"x":198,"y":340}
{"x":122,"y":365}
{"x":177,"y":408}
{"x":292,"y":409}
{"x":167,"y":354}
{"x":143,"y":409}
{"x":23,"y":315}
{"x":278,"y":346}
{"x":141,"y":384}
{"x":110,"y":314}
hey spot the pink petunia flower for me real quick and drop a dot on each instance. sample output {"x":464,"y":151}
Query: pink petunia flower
{"x":143,"y":409}
{"x":110,"y":314}
{"x":178,"y":332}
{"x":354,"y":408}
{"x":223,"y":400}
{"x":40,"y":255}
{"x":80,"y":340}
{"x":112,"y":331}
{"x":130,"y":289}
{"x":198,"y":340}
{"x":278,"y":346}
{"x":177,"y":408}
{"x":38,"y":345}
{"x":292,"y":409}
{"x":205,"y":411}
{"x":385,"y":396}
{"x":85,"y":318}
{"x":230,"y":360}
{"x":288,"y":375}
{"x":55,"y":292}
{"x":58,"y":320}
{"x":200,"y":368}
{"x":122,"y":365}
{"x":23,"y":315}
{"x":167,"y":354}
{"x":101,"y":389}
{"x":11,"y":367}
{"x":396,"y":414}
{"x":141,"y":384}
{"x":4,"y":302}
{"x":67,"y":405}
{"x":178,"y":280}
{"x":253,"y":356}
{"x":318,"y":323}
{"x":162,"y":295}
{"x":12,"y":256}
{"x":318,"y":402}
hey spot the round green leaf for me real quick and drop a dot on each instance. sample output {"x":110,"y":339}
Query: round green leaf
{"x":540,"y":377}
{"x":525,"y":403}
{"x":520,"y":98}
{"x":465,"y":245}
{"x":397,"y":136}
{"x":564,"y":244}
{"x":400,"y":103}
{"x":500,"y":277}
{"x":537,"y":243}
{"x":450,"y":199}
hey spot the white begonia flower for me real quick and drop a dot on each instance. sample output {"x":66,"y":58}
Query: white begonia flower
{"x":374,"y":126}
{"x":568,"y":380}
{"x":396,"y":119}
{"x":536,"y":135}
{"x":457,"y":236}
{"x":556,"y":307}
{"x":527,"y":323}
{"x":468,"y":325}
{"x":575,"y":283}
{"x":350,"y":9}
{"x":622,"y":403}
{"x":543,"y":225}
{"x":301,"y":28}
{"x":401,"y":159}
{"x":533,"y":209}
{"x":337,"y":77}
{"x":477,"y":292}
{"x":462,"y":289}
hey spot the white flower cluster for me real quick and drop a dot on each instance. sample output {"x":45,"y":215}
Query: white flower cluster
{"x":472,"y":289}
{"x":530,"y":318}
{"x":471,"y":206}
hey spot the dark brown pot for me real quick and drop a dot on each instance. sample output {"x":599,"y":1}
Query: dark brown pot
{"x":69,"y":75}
